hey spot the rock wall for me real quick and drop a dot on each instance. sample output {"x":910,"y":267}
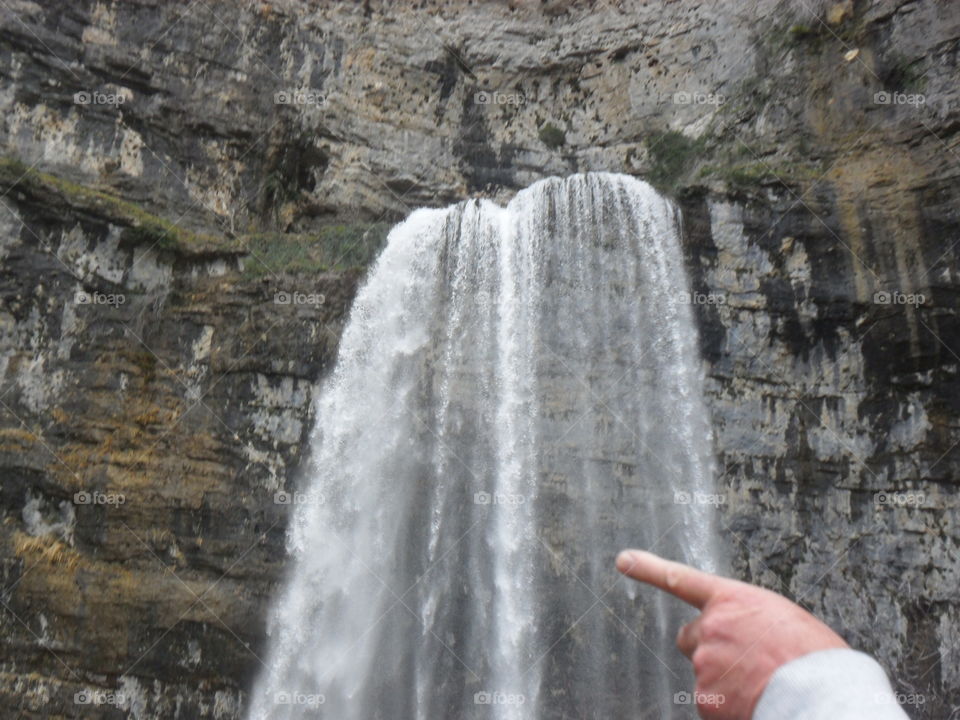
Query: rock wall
{"x":176,"y":171}
{"x":155,"y":401}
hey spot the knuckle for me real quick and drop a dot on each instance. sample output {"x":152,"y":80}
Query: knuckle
{"x":732,"y":596}
{"x":710,"y":626}
{"x":701,"y":660}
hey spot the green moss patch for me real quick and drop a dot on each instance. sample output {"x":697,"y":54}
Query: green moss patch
{"x":552,"y":136}
{"x":335,"y":247}
{"x":141,"y":226}
{"x":672,"y":155}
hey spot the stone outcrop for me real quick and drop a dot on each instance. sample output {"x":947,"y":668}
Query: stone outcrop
{"x":153,"y":409}
{"x":175,"y":172}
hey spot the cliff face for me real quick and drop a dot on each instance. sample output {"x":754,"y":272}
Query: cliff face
{"x":190,"y":194}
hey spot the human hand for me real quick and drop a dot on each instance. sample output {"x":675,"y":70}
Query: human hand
{"x":743,"y":634}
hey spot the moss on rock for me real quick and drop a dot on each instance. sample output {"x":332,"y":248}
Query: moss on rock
{"x":672,"y":155}
{"x":140,"y":226}
{"x":552,"y":136}
{"x":334,"y":247}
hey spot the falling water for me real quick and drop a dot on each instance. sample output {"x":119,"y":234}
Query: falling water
{"x":517,"y":396}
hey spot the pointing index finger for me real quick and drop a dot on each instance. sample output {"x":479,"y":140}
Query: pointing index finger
{"x":690,"y":585}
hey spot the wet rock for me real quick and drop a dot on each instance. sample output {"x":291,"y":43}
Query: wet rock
{"x":195,"y":166}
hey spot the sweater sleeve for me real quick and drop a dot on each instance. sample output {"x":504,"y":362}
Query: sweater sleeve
{"x":837,"y":684}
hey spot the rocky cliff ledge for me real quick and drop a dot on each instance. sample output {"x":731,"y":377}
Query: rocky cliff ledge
{"x":189,"y":193}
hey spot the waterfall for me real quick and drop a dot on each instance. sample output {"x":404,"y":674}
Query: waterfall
{"x":518,"y":396}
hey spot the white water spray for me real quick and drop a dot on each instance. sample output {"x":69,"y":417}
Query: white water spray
{"x":517,"y":397}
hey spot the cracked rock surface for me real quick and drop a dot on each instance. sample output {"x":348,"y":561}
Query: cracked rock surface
{"x":189,"y":193}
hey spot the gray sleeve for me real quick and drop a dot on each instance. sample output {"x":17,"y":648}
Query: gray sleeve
{"x":829,"y":685}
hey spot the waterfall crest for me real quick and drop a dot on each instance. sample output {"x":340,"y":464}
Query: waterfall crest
{"x":517,"y":396}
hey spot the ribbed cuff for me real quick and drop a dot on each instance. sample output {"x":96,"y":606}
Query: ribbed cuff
{"x":839,"y":684}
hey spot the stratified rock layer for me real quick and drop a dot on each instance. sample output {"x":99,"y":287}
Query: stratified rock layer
{"x":812,"y":147}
